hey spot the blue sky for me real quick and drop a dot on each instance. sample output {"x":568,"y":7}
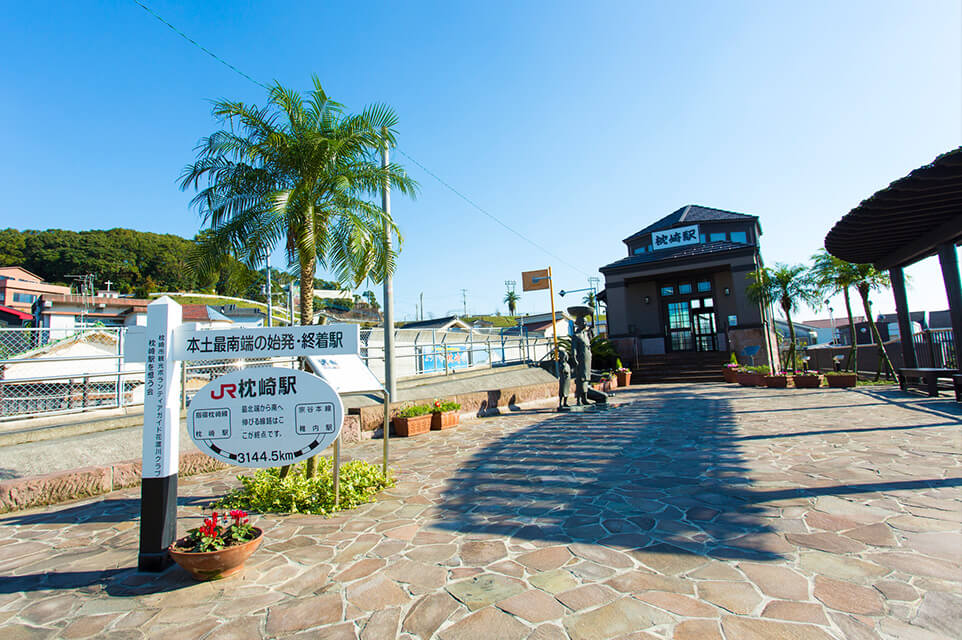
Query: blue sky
{"x":575,"y":123}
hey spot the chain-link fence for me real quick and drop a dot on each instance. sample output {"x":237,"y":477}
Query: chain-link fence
{"x":51,"y":371}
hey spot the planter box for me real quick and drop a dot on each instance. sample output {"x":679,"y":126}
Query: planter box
{"x":406,"y":427}
{"x":776,"y":382}
{"x":750,"y":379}
{"x":446,"y":420}
{"x":842,"y":381}
{"x":808,"y":382}
{"x":624,"y":378}
{"x":729,"y":374}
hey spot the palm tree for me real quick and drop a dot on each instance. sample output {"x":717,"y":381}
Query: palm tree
{"x":589,"y":299}
{"x":300,"y":171}
{"x":833,"y":275}
{"x":511,"y":299}
{"x":868,"y":279}
{"x":788,"y":285}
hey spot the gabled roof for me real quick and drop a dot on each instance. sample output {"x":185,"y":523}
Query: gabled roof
{"x":437,"y":323}
{"x":823,"y":323}
{"x":680,"y":254}
{"x":20,"y":315}
{"x":11,"y":269}
{"x":691,"y":214}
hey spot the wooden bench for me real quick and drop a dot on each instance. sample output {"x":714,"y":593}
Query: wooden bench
{"x":928,"y":379}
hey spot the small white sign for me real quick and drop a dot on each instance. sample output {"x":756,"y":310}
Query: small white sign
{"x":265,"y":417}
{"x":347,"y":374}
{"x":674,"y":237}
{"x":161,"y":451}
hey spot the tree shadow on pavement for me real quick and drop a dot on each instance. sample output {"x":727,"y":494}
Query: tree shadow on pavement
{"x":662,"y":474}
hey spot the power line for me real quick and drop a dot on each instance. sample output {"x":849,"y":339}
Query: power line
{"x":401,"y":151}
{"x":200,"y":46}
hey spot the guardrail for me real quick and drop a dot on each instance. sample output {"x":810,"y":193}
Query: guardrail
{"x":46,"y":372}
{"x":935,"y":348}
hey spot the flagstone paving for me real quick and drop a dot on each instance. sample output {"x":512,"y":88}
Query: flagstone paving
{"x":688,"y":512}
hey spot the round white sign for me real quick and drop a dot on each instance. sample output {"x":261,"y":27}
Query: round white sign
{"x":265,"y":417}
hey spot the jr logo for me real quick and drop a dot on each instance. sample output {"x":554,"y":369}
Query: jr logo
{"x":224,"y":388}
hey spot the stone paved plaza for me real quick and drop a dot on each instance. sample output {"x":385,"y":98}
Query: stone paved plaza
{"x":688,"y":512}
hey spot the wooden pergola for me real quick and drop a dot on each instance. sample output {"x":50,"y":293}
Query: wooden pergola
{"x":913,"y":218}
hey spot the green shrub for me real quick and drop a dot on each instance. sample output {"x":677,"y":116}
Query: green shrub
{"x":414,"y":411}
{"x":266,"y":492}
{"x":444,"y":407}
{"x":762,"y":369}
{"x":733,"y":359}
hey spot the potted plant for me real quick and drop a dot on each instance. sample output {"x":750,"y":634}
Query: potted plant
{"x":752,"y":376}
{"x":777,"y":381}
{"x":444,"y":415}
{"x":217,"y":549}
{"x":412,"y":421}
{"x":624,"y":376}
{"x":605,"y":384}
{"x":808,"y":379}
{"x":841,"y":379}
{"x":731,"y":369}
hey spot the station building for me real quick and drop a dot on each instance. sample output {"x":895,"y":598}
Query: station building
{"x":682,"y":289}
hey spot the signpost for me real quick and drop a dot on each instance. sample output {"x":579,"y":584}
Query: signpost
{"x":535,"y":281}
{"x":256,"y":417}
{"x":265,"y":417}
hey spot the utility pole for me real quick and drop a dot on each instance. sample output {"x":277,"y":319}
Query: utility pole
{"x":464,"y":300}
{"x":270,"y":295}
{"x":593,"y":282}
{"x":389,"y":374}
{"x":421,"y":306}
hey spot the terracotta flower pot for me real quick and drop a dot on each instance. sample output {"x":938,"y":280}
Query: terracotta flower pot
{"x":776,"y":382}
{"x":729,"y":374}
{"x":808,"y":382}
{"x":406,"y":427}
{"x":445,"y":420}
{"x":842,"y":381}
{"x":624,"y":378}
{"x":214,"y":565}
{"x":750,"y":379}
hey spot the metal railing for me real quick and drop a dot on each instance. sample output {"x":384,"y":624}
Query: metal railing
{"x":935,"y":348}
{"x":56,"y":371}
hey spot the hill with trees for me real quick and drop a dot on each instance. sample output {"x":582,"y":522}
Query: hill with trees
{"x":136,"y":262}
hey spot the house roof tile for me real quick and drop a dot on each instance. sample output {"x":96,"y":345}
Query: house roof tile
{"x":691,"y":214}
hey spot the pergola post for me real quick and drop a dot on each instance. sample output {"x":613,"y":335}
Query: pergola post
{"x":953,"y":289}
{"x":905,"y":323}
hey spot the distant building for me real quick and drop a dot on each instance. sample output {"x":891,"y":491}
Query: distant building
{"x":447,"y":323}
{"x":65,"y":314}
{"x":891,"y":322}
{"x":825,"y":327}
{"x":19,"y":288}
{"x":805,"y":335}
{"x":682,"y":287}
{"x":940,"y":319}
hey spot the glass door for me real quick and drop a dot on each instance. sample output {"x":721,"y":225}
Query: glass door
{"x":703,"y":328}
{"x":679,"y":327}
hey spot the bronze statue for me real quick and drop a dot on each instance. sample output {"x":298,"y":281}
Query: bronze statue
{"x":564,"y":378}
{"x":581,"y":352}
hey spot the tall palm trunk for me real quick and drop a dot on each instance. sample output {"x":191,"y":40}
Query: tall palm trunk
{"x":853,"y":352}
{"x":786,"y":307}
{"x":863,"y":291}
{"x":308,"y":266}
